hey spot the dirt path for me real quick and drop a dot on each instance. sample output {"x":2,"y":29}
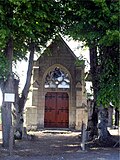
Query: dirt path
{"x":49,"y":145}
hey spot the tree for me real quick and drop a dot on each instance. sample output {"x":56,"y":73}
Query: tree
{"x":25,"y":26}
{"x":96,"y":23}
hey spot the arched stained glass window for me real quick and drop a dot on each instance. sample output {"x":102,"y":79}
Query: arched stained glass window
{"x":57,"y":79}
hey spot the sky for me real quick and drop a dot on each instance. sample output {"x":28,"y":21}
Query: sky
{"x":75,"y":46}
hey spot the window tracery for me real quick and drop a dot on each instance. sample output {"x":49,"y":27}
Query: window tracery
{"x":57,"y":79}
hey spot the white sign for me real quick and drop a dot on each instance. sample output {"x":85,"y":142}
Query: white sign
{"x":9,"y":97}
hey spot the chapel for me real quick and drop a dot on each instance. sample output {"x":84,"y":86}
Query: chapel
{"x":57,"y":97}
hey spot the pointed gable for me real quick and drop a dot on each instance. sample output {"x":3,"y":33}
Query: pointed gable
{"x":60,"y":48}
{"x":58,"y":51}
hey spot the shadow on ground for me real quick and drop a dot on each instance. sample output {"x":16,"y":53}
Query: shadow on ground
{"x":52,"y":144}
{"x":42,"y":143}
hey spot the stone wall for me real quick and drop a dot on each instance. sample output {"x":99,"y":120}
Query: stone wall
{"x":31,"y":118}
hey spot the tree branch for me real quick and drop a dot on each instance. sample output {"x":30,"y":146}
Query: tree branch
{"x":25,"y":91}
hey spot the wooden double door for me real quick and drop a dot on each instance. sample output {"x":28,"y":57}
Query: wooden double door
{"x":56,"y":110}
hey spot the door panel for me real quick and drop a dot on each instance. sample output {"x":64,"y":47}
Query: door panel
{"x":56,"y":110}
{"x":62,"y":108}
{"x":50,"y":109}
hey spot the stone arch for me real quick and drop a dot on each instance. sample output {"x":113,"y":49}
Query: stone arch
{"x":59,"y":90}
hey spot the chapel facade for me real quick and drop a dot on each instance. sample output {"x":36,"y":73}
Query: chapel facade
{"x":57,"y":97}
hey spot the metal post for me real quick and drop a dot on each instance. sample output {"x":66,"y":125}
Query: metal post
{"x":83,"y":136}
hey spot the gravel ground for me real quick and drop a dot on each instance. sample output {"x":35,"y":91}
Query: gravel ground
{"x":57,"y":145}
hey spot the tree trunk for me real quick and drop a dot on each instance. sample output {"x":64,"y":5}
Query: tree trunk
{"x":17,"y":118}
{"x":93,"y":121}
{"x":94,"y":71}
{"x":116,"y":117}
{"x":20,"y":101}
{"x":7,"y":87}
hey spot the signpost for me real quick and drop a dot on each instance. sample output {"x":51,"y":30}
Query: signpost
{"x":10,"y":98}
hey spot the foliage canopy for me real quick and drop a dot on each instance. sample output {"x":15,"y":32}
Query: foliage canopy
{"x":96,"y":23}
{"x":93,"y":21}
{"x":27,"y":22}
